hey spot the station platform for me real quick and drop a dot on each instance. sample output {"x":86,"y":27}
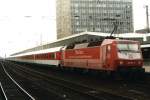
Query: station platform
{"x":147,"y":68}
{"x":147,"y":65}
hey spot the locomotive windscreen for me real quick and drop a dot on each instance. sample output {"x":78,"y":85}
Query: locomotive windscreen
{"x":128,"y":51}
{"x":128,"y":47}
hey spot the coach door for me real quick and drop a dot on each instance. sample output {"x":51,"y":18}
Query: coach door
{"x":62,"y":55}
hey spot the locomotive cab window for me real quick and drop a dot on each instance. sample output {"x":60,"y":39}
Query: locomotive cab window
{"x":128,"y":47}
{"x":128,"y":51}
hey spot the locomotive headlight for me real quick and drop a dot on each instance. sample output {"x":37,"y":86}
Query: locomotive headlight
{"x":121,"y":62}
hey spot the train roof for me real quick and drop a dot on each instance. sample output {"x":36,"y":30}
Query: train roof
{"x":40,"y":51}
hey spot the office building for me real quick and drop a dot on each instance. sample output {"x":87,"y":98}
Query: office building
{"x":76,"y":16}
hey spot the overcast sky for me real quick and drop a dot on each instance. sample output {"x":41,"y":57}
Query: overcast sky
{"x":25,"y":23}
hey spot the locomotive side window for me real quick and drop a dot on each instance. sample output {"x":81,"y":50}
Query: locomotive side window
{"x":109,"y":48}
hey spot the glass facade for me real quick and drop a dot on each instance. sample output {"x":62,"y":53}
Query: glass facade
{"x":99,"y":16}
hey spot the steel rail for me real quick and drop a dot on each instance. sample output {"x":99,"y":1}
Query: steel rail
{"x":74,"y":84}
{"x":17,"y":83}
{"x":3,"y":91}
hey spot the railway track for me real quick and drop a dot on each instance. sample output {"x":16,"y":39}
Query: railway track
{"x":65,"y":85}
{"x":10,"y":88}
{"x":139,"y":87}
{"x":2,"y":93}
{"x":38,"y":91}
{"x":136,"y":90}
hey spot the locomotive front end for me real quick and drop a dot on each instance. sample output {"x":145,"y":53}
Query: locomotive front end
{"x":129,"y":57}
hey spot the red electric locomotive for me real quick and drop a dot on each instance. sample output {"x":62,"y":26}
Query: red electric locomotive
{"x":111,"y":55}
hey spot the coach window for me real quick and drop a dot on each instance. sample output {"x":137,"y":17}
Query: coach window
{"x":45,"y":56}
{"x":52,"y":55}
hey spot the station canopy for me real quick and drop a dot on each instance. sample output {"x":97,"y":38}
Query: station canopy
{"x":144,"y":39}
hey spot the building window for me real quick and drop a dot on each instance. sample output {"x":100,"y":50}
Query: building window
{"x":76,"y":5}
{"x":77,"y":23}
{"x":76,"y":10}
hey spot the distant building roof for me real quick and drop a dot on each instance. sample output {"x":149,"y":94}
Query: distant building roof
{"x":142,"y":31}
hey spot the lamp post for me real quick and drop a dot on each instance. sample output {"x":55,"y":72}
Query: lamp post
{"x":147,"y":18}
